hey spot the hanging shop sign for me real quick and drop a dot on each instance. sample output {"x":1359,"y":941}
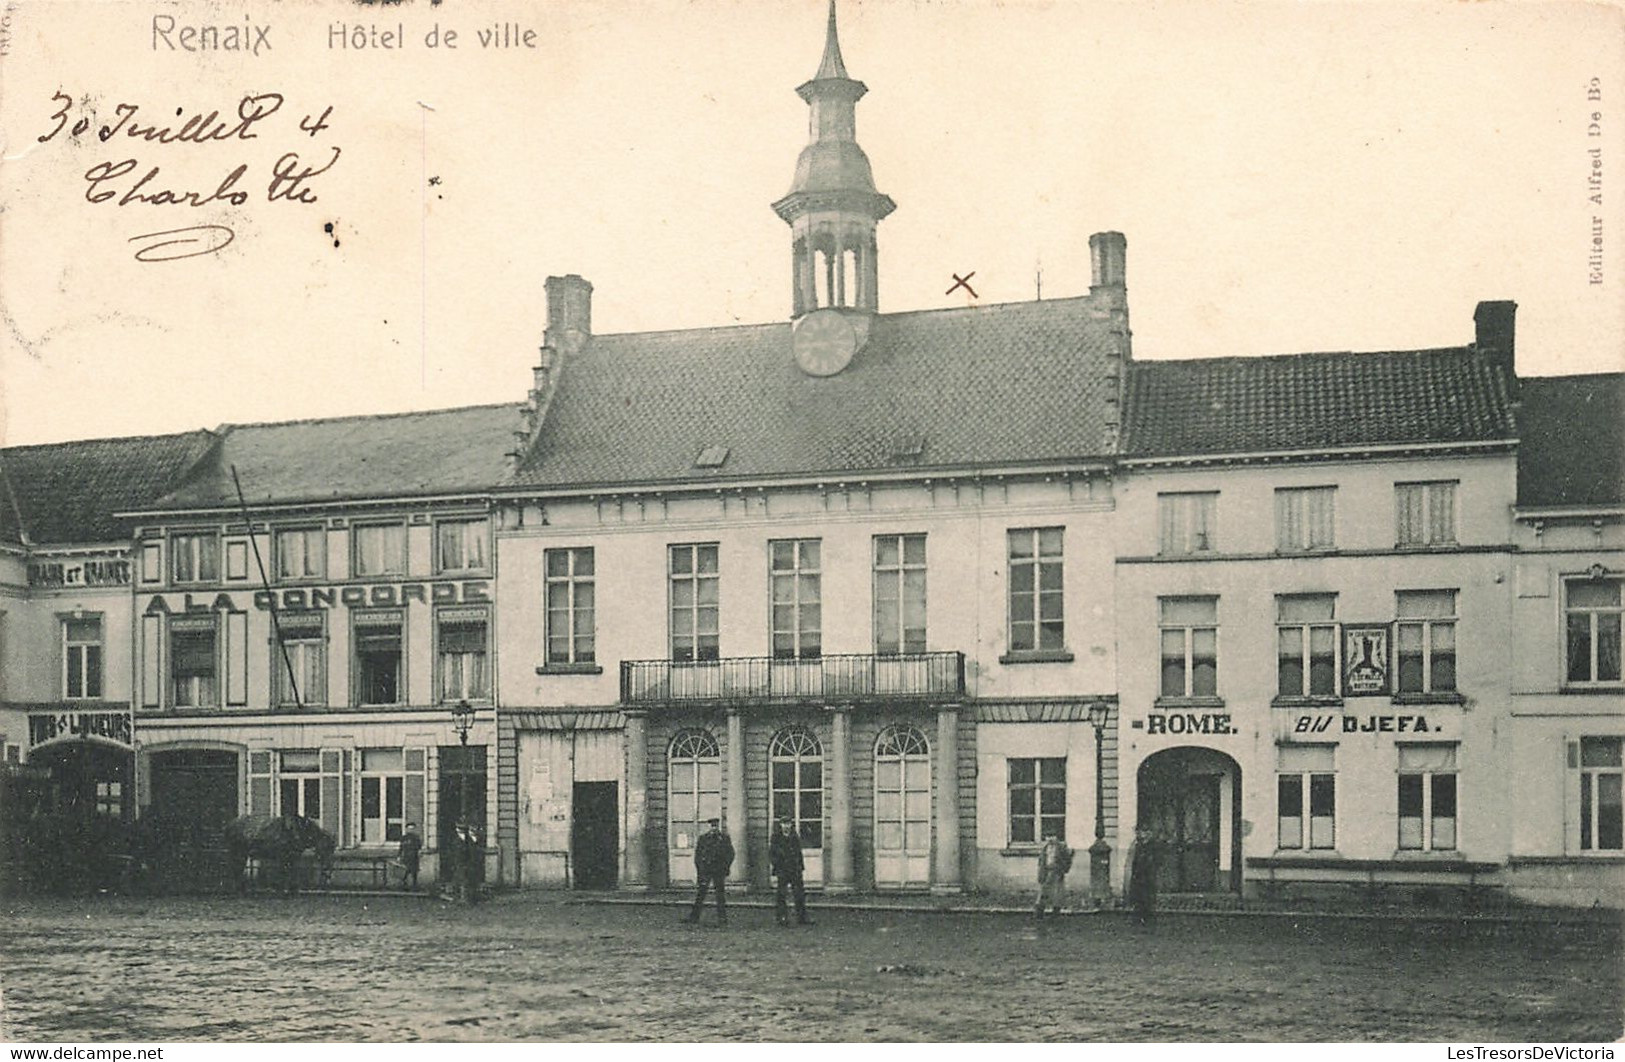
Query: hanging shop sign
{"x":97,"y":572}
{"x":48,"y":728}
{"x":1365,"y":659}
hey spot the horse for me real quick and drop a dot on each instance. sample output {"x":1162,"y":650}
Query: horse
{"x":282,"y":841}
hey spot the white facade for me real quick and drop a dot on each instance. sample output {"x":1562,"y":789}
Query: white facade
{"x":1322,"y":791}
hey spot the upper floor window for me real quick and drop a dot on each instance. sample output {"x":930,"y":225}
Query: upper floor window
{"x":1190,"y":646}
{"x":1037,"y":623}
{"x":380,"y":549}
{"x":570,"y":615}
{"x":194,"y":558}
{"x":460,"y":545}
{"x":695,"y":602}
{"x":1307,"y":645}
{"x":899,"y":594}
{"x":1425,"y":513}
{"x":301,"y":553}
{"x":1592,"y":613}
{"x":1305,"y":518}
{"x":464,"y":674}
{"x":379,"y":660}
{"x":82,"y":657}
{"x":1427,"y":641}
{"x":1187,"y":522}
{"x":192,"y":661}
{"x":301,"y":664}
{"x":798,"y":620}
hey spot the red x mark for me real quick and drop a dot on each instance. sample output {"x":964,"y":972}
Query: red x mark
{"x":962,"y":282}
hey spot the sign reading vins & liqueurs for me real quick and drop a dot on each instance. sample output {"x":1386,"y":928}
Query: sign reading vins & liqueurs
{"x":44,"y":728}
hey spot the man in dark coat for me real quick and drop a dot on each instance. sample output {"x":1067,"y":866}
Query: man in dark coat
{"x":785,"y":862}
{"x":410,"y":852}
{"x":1142,"y":876}
{"x":713,"y":856}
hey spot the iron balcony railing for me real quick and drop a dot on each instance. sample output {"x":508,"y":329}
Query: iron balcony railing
{"x":822,"y":679}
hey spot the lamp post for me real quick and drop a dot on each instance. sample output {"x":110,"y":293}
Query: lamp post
{"x":1100,"y":853}
{"x":462,"y":719}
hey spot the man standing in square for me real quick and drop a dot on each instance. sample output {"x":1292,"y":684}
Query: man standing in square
{"x":785,"y":862}
{"x":713,"y":856}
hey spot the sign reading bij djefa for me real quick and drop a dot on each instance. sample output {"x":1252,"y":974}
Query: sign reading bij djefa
{"x":46,"y":728}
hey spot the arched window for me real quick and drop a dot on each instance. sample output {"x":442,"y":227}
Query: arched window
{"x":902,"y":806}
{"x":694,"y":795}
{"x":796,"y":773}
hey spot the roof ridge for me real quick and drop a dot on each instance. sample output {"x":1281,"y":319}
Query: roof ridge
{"x":1250,"y":359}
{"x":230,"y":426}
{"x":922,"y":311}
{"x":107,"y":439}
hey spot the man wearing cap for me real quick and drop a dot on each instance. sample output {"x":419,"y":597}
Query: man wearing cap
{"x":785,"y":862}
{"x":713,"y":856}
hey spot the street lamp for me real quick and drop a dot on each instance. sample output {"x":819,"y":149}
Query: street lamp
{"x":1100,"y":853}
{"x":462,"y":719}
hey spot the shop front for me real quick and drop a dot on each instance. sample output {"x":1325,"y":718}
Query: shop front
{"x":69,"y":819}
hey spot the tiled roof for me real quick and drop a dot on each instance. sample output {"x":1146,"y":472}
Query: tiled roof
{"x":993,"y":385}
{"x":66,"y":493}
{"x":1571,"y":448}
{"x":1314,"y":402}
{"x":396,"y":455}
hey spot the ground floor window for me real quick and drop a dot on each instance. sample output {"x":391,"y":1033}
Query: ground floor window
{"x":299,"y":786}
{"x":1037,"y":799}
{"x":796,"y":763}
{"x":902,"y":806}
{"x":110,"y":798}
{"x":1427,"y":797}
{"x":1602,"y":828}
{"x":392,"y":787}
{"x":694,"y":781}
{"x":1306,"y":797}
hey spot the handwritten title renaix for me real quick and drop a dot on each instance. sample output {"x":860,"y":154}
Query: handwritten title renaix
{"x":135,"y":133}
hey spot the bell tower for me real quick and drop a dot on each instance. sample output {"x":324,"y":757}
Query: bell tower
{"x":833,"y":208}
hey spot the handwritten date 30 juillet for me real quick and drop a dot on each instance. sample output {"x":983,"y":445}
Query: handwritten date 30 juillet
{"x":127,"y":180}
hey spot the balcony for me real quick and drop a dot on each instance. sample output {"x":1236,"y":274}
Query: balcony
{"x":820,"y":680}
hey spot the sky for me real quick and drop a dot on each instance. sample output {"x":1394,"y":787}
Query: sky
{"x":1290,"y":177}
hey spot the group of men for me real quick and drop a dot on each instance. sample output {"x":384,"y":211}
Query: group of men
{"x":714,"y":857}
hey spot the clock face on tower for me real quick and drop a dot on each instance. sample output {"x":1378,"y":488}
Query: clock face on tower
{"x":823,"y":342}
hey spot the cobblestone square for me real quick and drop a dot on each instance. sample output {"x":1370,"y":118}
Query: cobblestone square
{"x":543,"y":968}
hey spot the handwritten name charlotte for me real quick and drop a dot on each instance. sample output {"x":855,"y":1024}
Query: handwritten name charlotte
{"x":128,"y":180}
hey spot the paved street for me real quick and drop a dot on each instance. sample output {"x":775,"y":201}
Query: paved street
{"x":339,"y":968}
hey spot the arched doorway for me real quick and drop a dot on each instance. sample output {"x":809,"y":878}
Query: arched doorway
{"x":796,"y":791}
{"x":79,"y":833}
{"x":693,"y":796}
{"x":1190,"y":801}
{"x":902,"y":807}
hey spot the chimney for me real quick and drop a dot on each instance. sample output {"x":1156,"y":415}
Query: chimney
{"x":1496,"y":335}
{"x":1108,"y":291}
{"x":569,"y":314}
{"x":1108,"y":260}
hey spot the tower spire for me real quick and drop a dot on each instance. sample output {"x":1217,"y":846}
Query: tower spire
{"x":833,"y":207}
{"x":831,"y":66}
